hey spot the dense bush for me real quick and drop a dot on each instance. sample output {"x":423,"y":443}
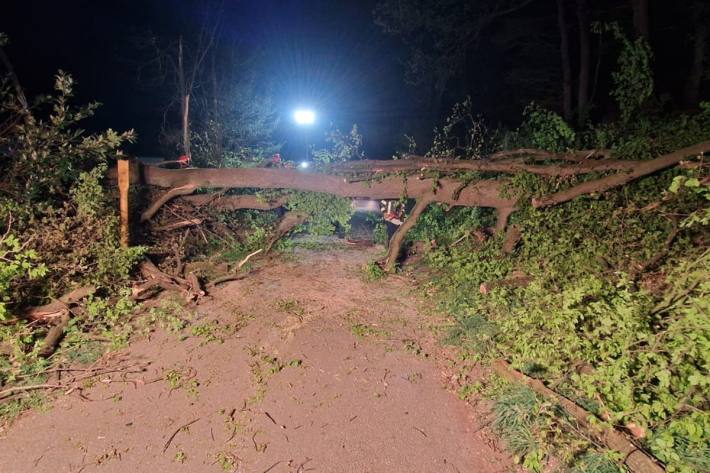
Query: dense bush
{"x":59,"y":230}
{"x":52,"y":191}
{"x":616,"y":313}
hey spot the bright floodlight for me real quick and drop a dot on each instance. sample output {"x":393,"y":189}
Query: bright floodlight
{"x":303,"y":165}
{"x":304,"y":116}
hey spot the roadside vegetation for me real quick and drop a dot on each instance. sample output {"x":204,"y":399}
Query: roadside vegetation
{"x":604,"y":298}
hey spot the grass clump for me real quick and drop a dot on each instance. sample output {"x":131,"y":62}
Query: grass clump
{"x":372,"y":272}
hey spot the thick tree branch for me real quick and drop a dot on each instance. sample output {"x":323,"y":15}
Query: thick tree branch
{"x":609,"y":182}
{"x":395,"y":246}
{"x":165,"y":198}
{"x":234,"y":202}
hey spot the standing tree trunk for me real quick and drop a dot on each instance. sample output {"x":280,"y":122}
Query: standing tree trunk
{"x":216,"y":125}
{"x":584,"y":61}
{"x":640,"y":9}
{"x":566,"y":63}
{"x":184,"y":101}
{"x":695,"y":76}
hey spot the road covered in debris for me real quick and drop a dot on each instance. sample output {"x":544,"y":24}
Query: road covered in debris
{"x":302,"y":366}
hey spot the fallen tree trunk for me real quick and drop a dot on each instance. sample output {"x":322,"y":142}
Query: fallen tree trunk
{"x":485,"y":193}
{"x":447,"y":190}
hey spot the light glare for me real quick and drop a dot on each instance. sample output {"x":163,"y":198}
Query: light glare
{"x":303,"y":165}
{"x":304,"y":116}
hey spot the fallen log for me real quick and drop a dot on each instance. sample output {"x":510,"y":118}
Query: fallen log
{"x":420,"y":164}
{"x":57,"y":307}
{"x":635,"y":458}
{"x":512,"y":237}
{"x":485,"y":193}
{"x":55,"y":334}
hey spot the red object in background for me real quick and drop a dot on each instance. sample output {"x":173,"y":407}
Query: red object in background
{"x":276,"y":159}
{"x":183,"y":161}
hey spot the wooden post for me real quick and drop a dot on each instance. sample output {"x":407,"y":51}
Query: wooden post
{"x":123,"y":184}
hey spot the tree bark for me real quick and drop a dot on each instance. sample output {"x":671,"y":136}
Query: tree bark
{"x":566,"y":62}
{"x":420,"y":164}
{"x":584,"y":62}
{"x":184,"y":101}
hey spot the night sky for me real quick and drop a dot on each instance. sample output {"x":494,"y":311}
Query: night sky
{"x":326,"y":54}
{"x":331,"y":56}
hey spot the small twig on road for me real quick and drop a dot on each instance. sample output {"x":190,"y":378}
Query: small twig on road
{"x":300,"y":467}
{"x":167,"y":444}
{"x":273,"y":466}
{"x":420,"y":431}
{"x":274,"y":420}
{"x":244,"y":261}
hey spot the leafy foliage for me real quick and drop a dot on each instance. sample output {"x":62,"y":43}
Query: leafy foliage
{"x":239,"y":132}
{"x":630,"y":341}
{"x":633,"y":81}
{"x":44,"y":156}
{"x":615,"y":315}
{"x":341,"y":147}
{"x":16,"y":263}
{"x":325,"y":211}
{"x":544,"y":129}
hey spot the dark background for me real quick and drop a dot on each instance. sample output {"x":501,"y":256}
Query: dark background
{"x":326,"y":54}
